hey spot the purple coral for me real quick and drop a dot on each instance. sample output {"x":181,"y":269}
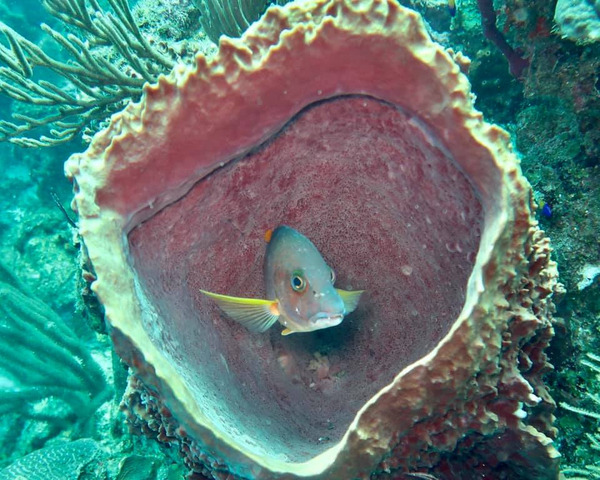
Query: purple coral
{"x":516,"y":63}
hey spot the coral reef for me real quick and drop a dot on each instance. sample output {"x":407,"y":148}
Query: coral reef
{"x":552,"y":113}
{"x":86,"y":459}
{"x":442,"y":375}
{"x":28,"y":235}
{"x":175,"y":24}
{"x":557,"y":131}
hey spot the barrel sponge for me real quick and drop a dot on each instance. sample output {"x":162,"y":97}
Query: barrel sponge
{"x":345,"y":121}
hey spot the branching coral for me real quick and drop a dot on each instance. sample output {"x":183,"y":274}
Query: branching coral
{"x":231,"y":18}
{"x":97,"y":82}
{"x":516,"y":63}
{"x":592,"y":470}
{"x":44,"y":362}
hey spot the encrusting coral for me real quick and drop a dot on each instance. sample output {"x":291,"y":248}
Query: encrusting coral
{"x":578,"y":20}
{"x":64,"y":461}
{"x":345,"y":121}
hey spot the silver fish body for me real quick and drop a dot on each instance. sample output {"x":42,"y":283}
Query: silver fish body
{"x":300,"y":289}
{"x":291,"y":256}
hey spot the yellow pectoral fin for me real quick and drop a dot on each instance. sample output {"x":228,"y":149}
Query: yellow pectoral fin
{"x":286,"y":331}
{"x":255,"y":314}
{"x":350,"y":298}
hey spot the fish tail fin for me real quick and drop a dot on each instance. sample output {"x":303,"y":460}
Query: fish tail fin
{"x":350,"y":298}
{"x":255,"y":314}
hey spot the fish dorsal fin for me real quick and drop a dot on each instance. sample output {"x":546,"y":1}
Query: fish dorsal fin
{"x":255,"y":314}
{"x":268,"y":235}
{"x":350,"y":298}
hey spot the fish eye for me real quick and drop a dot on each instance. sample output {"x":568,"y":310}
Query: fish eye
{"x":332,"y":276}
{"x":297,"y":281}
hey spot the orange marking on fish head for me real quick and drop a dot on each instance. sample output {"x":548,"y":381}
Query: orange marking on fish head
{"x":268,"y":235}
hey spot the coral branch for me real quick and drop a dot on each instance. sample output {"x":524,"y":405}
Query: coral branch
{"x":229,"y":17}
{"x":43,"y":358}
{"x":92,"y":87}
{"x":516,"y":63}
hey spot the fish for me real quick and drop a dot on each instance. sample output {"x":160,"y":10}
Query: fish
{"x":452,"y":7}
{"x":299,"y":286}
{"x":546,"y":210}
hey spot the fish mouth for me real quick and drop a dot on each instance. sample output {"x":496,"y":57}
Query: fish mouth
{"x":324,"y":319}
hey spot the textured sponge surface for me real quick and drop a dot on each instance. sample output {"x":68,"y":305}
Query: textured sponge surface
{"x":390,"y":212}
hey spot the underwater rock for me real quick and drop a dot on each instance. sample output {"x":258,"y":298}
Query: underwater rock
{"x":343,"y":120}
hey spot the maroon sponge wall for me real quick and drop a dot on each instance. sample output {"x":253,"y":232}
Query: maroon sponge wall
{"x":390,"y":212}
